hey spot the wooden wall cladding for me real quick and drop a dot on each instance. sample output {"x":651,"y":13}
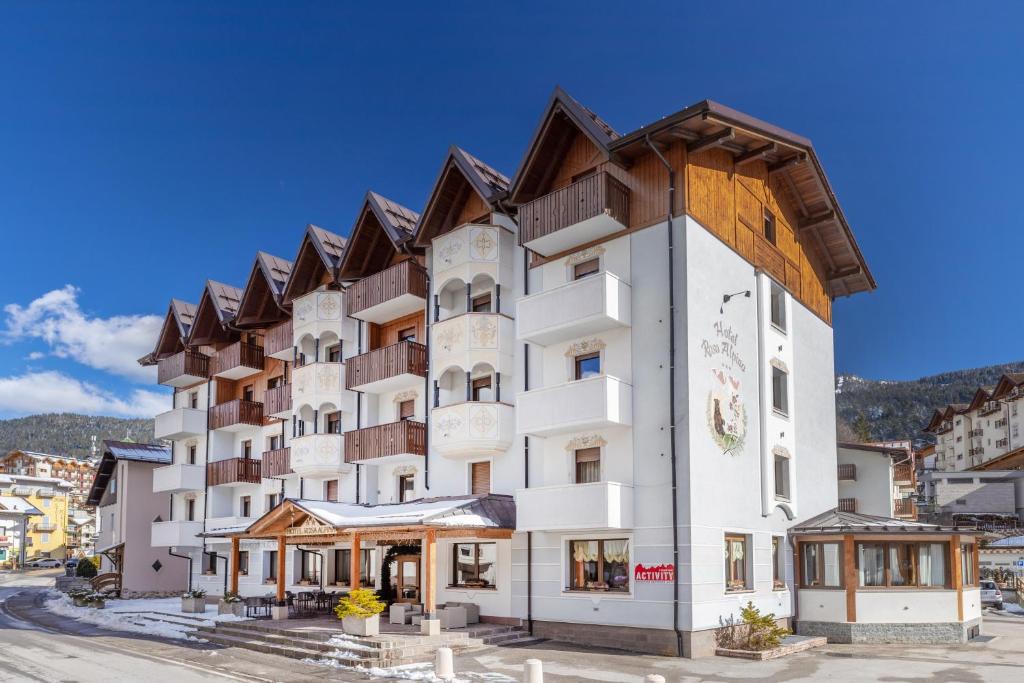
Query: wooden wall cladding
{"x":472,"y":210}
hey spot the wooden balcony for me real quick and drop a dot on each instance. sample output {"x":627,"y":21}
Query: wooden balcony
{"x":183,"y":369}
{"x":233,"y":471}
{"x":591,"y":208}
{"x":389,"y":294}
{"x":277,"y":463}
{"x":394,"y":440}
{"x":238,"y":360}
{"x":847,"y":504}
{"x":279,"y":342}
{"x":904,"y":507}
{"x":277,"y":402}
{"x":848,"y":472}
{"x":386,"y":368}
{"x":903,"y":474}
{"x":236,"y":415}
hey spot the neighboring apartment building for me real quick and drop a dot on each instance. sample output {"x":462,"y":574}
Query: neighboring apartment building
{"x":122,"y":493}
{"x":992,"y":500}
{"x":631,"y":339}
{"x":81,"y":536}
{"x":877,"y":480}
{"x":78,"y":472}
{"x":46,"y":534}
{"x":16,"y":514}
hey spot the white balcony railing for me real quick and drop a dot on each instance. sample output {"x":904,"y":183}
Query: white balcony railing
{"x":319,"y":456}
{"x":599,"y":506}
{"x":586,"y":306}
{"x":318,"y":383}
{"x":179,"y":423}
{"x":592,"y":403}
{"x":471,"y":338}
{"x":179,"y":534}
{"x":472,"y":428}
{"x":178,"y":478}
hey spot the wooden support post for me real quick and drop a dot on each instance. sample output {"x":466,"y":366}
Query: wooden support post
{"x":281,"y":550}
{"x":850,"y":578}
{"x":429,"y":557}
{"x":354,"y":563}
{"x":957,"y":575}
{"x":234,"y":565}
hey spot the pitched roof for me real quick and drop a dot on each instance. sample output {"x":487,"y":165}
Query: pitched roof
{"x":123,"y":450}
{"x":365,"y":252}
{"x":16,"y":505}
{"x":174,"y":331}
{"x":262,"y":293}
{"x":461,"y":173}
{"x":1008,"y":542}
{"x":1007,"y":383}
{"x":837,"y":521}
{"x":217,"y":307}
{"x":320,"y":253}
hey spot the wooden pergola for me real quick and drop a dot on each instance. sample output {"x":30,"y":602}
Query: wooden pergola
{"x":291,"y":524}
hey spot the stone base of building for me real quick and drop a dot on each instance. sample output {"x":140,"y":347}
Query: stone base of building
{"x":66,"y":583}
{"x":912,"y":634}
{"x":136,"y":595}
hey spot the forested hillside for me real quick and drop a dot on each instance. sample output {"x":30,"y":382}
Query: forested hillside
{"x":68,"y":434}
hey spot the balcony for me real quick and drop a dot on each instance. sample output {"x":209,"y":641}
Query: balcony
{"x":594,"y":403}
{"x":1002,"y":443}
{"x":1000,"y":423}
{"x":179,"y":423}
{"x":233,"y":472}
{"x":586,"y":306}
{"x":234,"y":523}
{"x":319,"y":456}
{"x":236,"y":415}
{"x":589,"y":209}
{"x":473,"y":428}
{"x":605,"y":505}
{"x":46,"y":493}
{"x":847,"y":504}
{"x":277,"y":402}
{"x":989,"y":409}
{"x":904,"y":507}
{"x":44,"y":527}
{"x":402,"y":440}
{"x":315,"y":384}
{"x":183,"y":369}
{"x":387,"y":369}
{"x":279,"y":341}
{"x":389,"y":294}
{"x":472,"y":338}
{"x":847,"y":472}
{"x":21,"y":491}
{"x":903,"y":474}
{"x":177,"y":534}
{"x":470,"y":250}
{"x":237,"y":361}
{"x":178,"y":478}
{"x":277,"y":463}
{"x":976,"y":432}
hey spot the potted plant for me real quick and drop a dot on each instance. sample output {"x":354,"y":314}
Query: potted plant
{"x":231,"y":603}
{"x":79,"y":596}
{"x":194,"y":602}
{"x":359,"y":612}
{"x":96,"y":600}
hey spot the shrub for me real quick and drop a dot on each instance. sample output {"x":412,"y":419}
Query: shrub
{"x":195,"y":593}
{"x":86,"y":568}
{"x":756,"y":632}
{"x":231,"y":598}
{"x":361,"y":602}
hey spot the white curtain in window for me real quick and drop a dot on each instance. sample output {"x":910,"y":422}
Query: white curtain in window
{"x":833,"y":563}
{"x":616,"y":551}
{"x":584,"y":551}
{"x":931,"y":563}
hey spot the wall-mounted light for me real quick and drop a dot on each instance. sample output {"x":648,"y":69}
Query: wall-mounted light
{"x":727,"y":297}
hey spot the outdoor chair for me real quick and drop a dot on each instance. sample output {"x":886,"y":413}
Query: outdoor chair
{"x":472,"y":611}
{"x":452,"y":617}
{"x":400,"y":613}
{"x":256,"y":607}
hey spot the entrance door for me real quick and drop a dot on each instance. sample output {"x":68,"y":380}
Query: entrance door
{"x":407,"y":578}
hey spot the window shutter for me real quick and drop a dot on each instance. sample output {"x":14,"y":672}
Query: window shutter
{"x":480,"y":476}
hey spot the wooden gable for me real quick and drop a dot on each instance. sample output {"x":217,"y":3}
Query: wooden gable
{"x":260,"y":305}
{"x":465,"y":191}
{"x":215,"y":309}
{"x":382,"y":236}
{"x":175,"y":329}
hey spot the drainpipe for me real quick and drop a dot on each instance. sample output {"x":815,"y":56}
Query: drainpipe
{"x":426,"y":385}
{"x":221,"y":557}
{"x":672,"y":391}
{"x":170,"y":516}
{"x":206,"y":469}
{"x":526,"y":458}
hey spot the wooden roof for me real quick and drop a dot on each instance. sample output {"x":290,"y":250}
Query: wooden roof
{"x":175,"y":330}
{"x":320,"y":254}
{"x":382,"y":229}
{"x":261,"y":299}
{"x":1007,"y":383}
{"x":461,"y":174}
{"x":217,"y":307}
{"x":1012,"y":460}
{"x":981,"y":396}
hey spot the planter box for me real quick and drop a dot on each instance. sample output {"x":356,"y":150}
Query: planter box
{"x":360,"y":626}
{"x":279,"y":612}
{"x":193,"y":605}
{"x":102,"y":604}
{"x":790,"y":645}
{"x":236,"y":608}
{"x":79,"y":602}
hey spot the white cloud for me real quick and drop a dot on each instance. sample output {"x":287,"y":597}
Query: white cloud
{"x":111,"y":344}
{"x":55,"y":392}
{"x":36,"y":355}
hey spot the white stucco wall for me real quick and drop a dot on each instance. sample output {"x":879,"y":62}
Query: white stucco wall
{"x":873,"y":487}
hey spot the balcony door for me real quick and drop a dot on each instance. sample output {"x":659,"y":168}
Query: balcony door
{"x":405,"y":577}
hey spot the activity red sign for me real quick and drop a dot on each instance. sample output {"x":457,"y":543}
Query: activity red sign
{"x":658,"y":572}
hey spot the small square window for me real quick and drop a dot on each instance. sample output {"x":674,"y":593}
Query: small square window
{"x":331,"y":490}
{"x":406,"y":410}
{"x":778,"y":311}
{"x":193,"y":399}
{"x":778,"y":564}
{"x":480,"y":477}
{"x":588,"y":365}
{"x":334,"y":423}
{"x":246,"y":450}
{"x":780,"y":390}
{"x":482,"y":390}
{"x":243,"y":562}
{"x":245,"y":506}
{"x":333,"y":353}
{"x":482,"y":303}
{"x":406,"y":487}
{"x":782,"y":477}
{"x":769,"y":226}
{"x":736,"y":576}
{"x":582,"y":270}
{"x":408,"y":334}
{"x":248,"y":392}
{"x":588,"y":465}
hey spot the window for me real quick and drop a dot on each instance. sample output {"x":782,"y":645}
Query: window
{"x":967,"y":564}
{"x":820,"y":565}
{"x":273,"y":500}
{"x":481,"y":389}
{"x":271,"y":564}
{"x":588,"y":465}
{"x":331,"y":490}
{"x":44,"y":538}
{"x":192,"y":454}
{"x":333,"y":353}
{"x":481,"y":303}
{"x":310,"y":567}
{"x":480,"y":477}
{"x":782,"y":477}
{"x":274,"y":442}
{"x":735,"y":563}
{"x":588,"y":365}
{"x":275,"y":382}
{"x":780,"y":399}
{"x":246,"y":449}
{"x":406,"y":486}
{"x":243,"y":562}
{"x":190,"y":509}
{"x":778,"y":569}
{"x":209,"y":563}
{"x":408,"y":334}
{"x":901,"y":564}
{"x":343,"y":567}
{"x":769,"y":226}
{"x":245,"y":506}
{"x":778,"y":310}
{"x":474,"y":565}
{"x":407,"y":409}
{"x":582,"y":270}
{"x":333,"y":423}
{"x":248,"y":392}
{"x":193,"y":399}
{"x":599,"y":565}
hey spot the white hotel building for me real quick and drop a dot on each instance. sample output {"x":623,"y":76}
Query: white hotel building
{"x":650,"y":391}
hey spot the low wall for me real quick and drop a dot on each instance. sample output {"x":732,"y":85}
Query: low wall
{"x":933,"y":633}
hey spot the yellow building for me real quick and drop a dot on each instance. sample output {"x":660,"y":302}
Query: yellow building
{"x":46,"y":534}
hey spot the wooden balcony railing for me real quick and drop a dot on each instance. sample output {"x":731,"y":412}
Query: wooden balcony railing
{"x":236,"y":412}
{"x":848,"y":472}
{"x":903,"y":473}
{"x":989,"y":409}
{"x":277,"y":463}
{"x":233,"y":471}
{"x":239,"y":354}
{"x":188,"y":362}
{"x":398,"y":359}
{"x":847,"y":504}
{"x":278,"y":338}
{"x":407,"y":277}
{"x":395,"y":438}
{"x":905,"y":508}
{"x":588,"y":197}
{"x":278,"y":399}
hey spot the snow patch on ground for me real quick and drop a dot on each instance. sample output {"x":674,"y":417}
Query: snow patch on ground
{"x":423,"y":671}
{"x":130,"y":615}
{"x":347,"y":642}
{"x":1013,"y":608}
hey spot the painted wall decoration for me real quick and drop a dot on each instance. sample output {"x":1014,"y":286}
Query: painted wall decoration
{"x":726,"y":409}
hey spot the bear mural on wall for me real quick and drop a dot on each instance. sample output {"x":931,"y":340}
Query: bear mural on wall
{"x":726,"y":412}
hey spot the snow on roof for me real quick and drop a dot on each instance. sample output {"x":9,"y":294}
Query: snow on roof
{"x":26,"y":480}
{"x":489,"y":511}
{"x":19,"y":505}
{"x":1008,"y":542}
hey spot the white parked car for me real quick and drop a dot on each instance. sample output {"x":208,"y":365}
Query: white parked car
{"x":46,"y":562}
{"x":991,"y":595}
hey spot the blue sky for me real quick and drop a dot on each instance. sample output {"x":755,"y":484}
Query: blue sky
{"x":143,"y":144}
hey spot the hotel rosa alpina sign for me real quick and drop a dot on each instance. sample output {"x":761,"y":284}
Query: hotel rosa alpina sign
{"x":311,"y":527}
{"x":656,"y":572}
